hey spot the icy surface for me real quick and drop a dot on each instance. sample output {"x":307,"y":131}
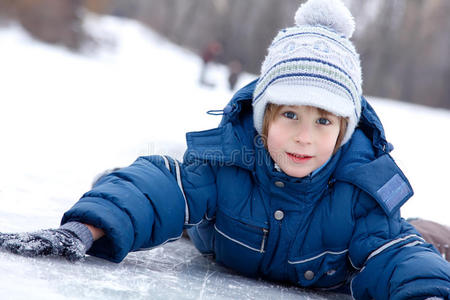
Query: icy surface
{"x":65,"y":118}
{"x":173,"y":271}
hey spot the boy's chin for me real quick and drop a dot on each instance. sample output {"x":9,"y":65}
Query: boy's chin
{"x":295,"y":172}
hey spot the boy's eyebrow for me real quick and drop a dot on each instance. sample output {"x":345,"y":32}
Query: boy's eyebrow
{"x":322,"y":112}
{"x":325,"y":113}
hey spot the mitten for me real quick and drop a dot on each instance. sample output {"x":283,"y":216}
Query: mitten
{"x":50,"y":242}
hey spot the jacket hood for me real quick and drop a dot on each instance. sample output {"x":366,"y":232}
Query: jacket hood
{"x":364,"y":161}
{"x":236,"y":132}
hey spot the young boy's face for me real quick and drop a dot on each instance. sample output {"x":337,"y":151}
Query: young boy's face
{"x":300,"y":139}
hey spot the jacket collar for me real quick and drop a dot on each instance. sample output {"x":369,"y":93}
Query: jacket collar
{"x":307,"y":188}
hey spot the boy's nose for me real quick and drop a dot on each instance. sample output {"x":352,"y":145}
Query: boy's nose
{"x":303,"y":135}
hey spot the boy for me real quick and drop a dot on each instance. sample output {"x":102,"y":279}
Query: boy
{"x":296,"y":184}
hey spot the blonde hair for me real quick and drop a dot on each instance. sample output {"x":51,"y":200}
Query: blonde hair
{"x":272,"y":111}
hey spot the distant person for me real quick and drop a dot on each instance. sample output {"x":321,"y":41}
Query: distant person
{"x":234,"y":70}
{"x":296,"y":184}
{"x":209,"y":54}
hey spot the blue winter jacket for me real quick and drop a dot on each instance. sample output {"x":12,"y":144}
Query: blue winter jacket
{"x":340,"y":227}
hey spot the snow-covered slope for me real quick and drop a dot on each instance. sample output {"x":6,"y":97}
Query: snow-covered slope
{"x":64,"y":118}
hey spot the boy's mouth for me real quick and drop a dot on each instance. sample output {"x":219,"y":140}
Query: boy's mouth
{"x":298,"y":157}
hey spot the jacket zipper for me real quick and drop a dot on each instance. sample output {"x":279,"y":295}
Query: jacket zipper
{"x":265,"y":232}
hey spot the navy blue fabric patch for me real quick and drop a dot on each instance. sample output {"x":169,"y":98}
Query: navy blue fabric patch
{"x":393,"y":192}
{"x":383,"y":180}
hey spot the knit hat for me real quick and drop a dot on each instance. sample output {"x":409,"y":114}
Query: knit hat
{"x":314,"y":64}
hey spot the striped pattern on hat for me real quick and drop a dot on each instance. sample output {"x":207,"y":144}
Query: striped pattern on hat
{"x":312,"y":65}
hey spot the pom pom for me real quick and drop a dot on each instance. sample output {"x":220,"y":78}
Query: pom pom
{"x":327,"y":13}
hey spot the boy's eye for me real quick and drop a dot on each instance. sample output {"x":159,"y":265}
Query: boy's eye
{"x":323,"y":121}
{"x":290,"y":115}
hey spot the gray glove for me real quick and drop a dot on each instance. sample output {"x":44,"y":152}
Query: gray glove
{"x":49,"y":242}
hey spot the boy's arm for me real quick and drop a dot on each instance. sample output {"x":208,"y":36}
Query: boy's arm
{"x":393,"y":261}
{"x":144,"y":205}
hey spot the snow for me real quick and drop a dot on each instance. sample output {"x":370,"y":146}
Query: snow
{"x":67,"y":117}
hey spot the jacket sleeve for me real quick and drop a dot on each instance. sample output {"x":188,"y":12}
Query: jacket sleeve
{"x":392,"y":259}
{"x":145,"y":205}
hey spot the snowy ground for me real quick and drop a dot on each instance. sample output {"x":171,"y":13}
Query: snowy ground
{"x":64,"y":118}
{"x":174,"y":271}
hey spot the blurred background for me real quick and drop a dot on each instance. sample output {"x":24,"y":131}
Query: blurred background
{"x":404,"y":44}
